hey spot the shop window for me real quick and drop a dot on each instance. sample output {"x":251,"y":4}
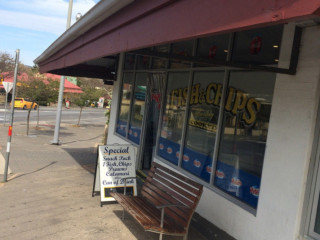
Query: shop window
{"x":125,"y":104}
{"x":214,"y":48}
{"x":173,"y":117}
{"x":138,"y":107}
{"x":160,"y":63}
{"x":129,"y":61}
{"x":143,"y":62}
{"x":202,"y":123}
{"x":244,"y":134}
{"x":258,"y":46}
{"x":184,"y":49}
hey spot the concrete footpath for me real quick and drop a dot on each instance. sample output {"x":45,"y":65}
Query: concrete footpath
{"x":48,"y":194}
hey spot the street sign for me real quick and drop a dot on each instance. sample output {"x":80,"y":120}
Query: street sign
{"x":7,"y":86}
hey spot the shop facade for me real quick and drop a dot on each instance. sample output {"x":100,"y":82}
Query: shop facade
{"x":237,"y":111}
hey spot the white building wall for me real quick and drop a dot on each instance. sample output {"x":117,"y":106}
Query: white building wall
{"x":287,"y":156}
{"x":286,"y":160}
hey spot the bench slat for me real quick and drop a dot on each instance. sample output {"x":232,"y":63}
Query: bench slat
{"x":169,"y":199}
{"x":183,"y":200}
{"x":174,"y":212}
{"x":175,"y":186}
{"x":177,"y":181}
{"x":177,"y":175}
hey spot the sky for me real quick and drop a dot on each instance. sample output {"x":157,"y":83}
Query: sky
{"x":33,"y":25}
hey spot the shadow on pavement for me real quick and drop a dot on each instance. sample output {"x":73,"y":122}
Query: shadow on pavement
{"x":85,"y":157}
{"x":38,"y":170}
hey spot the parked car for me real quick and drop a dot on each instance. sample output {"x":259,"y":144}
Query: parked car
{"x":24,"y":103}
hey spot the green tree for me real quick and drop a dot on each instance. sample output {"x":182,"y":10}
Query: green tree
{"x":7,"y":63}
{"x":90,"y":94}
{"x":38,"y":90}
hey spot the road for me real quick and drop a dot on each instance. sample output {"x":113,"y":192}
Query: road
{"x":48,"y":114}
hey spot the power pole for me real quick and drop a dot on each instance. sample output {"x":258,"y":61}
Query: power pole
{"x":56,"y":140}
{"x":6,"y":166}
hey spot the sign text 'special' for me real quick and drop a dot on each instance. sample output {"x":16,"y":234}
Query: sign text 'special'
{"x":113,"y":151}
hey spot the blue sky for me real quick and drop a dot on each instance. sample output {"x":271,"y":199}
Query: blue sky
{"x":33,"y":25}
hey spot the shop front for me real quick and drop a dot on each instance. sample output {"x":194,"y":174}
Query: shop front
{"x":236,"y":111}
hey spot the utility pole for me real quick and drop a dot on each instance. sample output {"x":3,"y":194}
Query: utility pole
{"x":56,"y":140}
{"x":6,"y":166}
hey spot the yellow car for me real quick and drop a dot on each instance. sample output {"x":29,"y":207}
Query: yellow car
{"x":24,"y":103}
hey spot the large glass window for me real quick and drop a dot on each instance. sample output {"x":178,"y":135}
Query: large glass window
{"x":224,"y":152}
{"x":173,"y":117}
{"x":138,"y":107}
{"x":125,"y":104}
{"x":244,"y":134}
{"x":202,"y":123}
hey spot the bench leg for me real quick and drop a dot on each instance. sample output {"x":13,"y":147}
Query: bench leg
{"x":123,"y":214}
{"x":185,"y":237}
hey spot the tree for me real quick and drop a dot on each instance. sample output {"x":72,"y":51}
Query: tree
{"x":7,"y":63}
{"x":90,"y":93}
{"x":38,"y":90}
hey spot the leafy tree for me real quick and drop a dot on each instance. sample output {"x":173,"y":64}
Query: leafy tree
{"x":38,"y":90}
{"x":89,"y":95}
{"x":7,"y":64}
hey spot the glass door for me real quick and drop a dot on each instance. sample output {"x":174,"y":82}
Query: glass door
{"x":153,"y":106}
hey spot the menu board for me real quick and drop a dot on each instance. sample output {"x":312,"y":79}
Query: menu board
{"x":116,"y":162}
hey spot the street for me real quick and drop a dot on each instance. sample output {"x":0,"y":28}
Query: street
{"x":48,"y":114}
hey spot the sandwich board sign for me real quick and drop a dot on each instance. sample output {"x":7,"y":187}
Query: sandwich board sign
{"x":114,"y":163}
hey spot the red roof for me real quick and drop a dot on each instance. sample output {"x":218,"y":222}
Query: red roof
{"x":68,"y":86}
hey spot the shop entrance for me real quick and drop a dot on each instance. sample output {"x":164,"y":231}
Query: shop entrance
{"x":151,"y":119}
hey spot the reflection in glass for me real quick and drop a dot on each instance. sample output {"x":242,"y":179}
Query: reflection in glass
{"x":125,"y":104}
{"x":214,"y":47}
{"x":258,"y":46}
{"x":172,"y":120}
{"x":129,"y":61}
{"x":143,"y":62}
{"x":138,"y":107}
{"x":202,"y":123}
{"x":182,"y":49}
{"x":245,"y":127}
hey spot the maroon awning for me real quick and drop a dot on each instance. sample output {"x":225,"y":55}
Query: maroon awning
{"x":146,"y":23}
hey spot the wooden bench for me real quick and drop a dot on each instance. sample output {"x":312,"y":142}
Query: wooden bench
{"x":166,"y":203}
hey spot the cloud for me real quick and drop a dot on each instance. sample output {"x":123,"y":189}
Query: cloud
{"x":41,"y":15}
{"x":33,"y":22}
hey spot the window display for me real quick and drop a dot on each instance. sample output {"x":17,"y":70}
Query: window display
{"x":244,"y":134}
{"x":125,"y":104}
{"x":173,"y":117}
{"x":202,"y":123}
{"x":138,"y":107}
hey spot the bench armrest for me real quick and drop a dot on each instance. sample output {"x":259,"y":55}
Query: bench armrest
{"x":162,"y":207}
